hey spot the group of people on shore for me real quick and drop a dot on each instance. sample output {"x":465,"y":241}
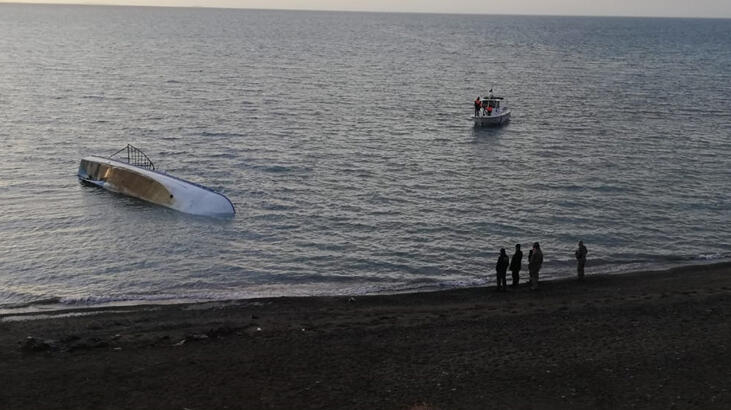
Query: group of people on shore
{"x":535,"y":261}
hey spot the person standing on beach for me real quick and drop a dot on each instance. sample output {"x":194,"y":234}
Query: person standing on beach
{"x":515,"y":265}
{"x":534,"y":265}
{"x":502,"y":270}
{"x":581,"y":259}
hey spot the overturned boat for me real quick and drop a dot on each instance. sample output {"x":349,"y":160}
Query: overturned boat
{"x":130,"y":172}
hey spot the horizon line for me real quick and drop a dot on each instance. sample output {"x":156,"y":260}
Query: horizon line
{"x":454,"y":13}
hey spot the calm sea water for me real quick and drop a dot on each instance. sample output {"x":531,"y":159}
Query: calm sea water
{"x":345,"y":142}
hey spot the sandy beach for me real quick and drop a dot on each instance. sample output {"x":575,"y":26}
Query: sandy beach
{"x":645,"y":340}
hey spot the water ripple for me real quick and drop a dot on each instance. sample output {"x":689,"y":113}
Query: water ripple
{"x":351,"y":158}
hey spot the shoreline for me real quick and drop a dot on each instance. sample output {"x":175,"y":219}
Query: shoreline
{"x":48,"y":310}
{"x":654,"y":339}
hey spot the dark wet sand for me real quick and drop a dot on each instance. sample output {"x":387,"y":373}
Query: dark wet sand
{"x":646,"y":340}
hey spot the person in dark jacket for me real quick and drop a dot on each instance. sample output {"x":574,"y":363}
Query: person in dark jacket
{"x":502,"y":270}
{"x":515,"y":265}
{"x":581,"y":259}
{"x":478,"y":105}
{"x":534,"y":265}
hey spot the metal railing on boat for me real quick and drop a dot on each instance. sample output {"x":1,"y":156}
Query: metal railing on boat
{"x":135,"y":157}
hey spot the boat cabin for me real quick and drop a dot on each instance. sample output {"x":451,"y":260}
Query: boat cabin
{"x":491,"y":101}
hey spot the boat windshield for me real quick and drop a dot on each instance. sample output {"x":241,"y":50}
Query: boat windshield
{"x":491,"y":102}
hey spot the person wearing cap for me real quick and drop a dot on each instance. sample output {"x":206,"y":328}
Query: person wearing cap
{"x":534,"y":265}
{"x":581,"y":259}
{"x":515,"y":265}
{"x":502,"y":270}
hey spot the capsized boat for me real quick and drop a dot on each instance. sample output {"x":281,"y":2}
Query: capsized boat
{"x":491,"y":111}
{"x":130,"y":172}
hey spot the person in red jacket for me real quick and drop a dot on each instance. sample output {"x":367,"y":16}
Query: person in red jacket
{"x":478,"y":105}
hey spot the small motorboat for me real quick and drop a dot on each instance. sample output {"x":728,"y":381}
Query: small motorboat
{"x":130,"y":172}
{"x":492,"y":111}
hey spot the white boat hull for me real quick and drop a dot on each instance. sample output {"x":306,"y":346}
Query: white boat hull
{"x":152,"y":186}
{"x":492,"y":120}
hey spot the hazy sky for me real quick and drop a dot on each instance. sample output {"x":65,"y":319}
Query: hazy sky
{"x":663,"y":8}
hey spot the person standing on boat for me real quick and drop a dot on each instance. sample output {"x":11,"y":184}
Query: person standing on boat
{"x":534,"y":265}
{"x":515,"y":265}
{"x":502,"y":270}
{"x":581,"y":259}
{"x":478,"y":105}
